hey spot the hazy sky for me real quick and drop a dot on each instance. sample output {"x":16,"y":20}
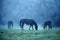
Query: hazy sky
{"x":39,"y":10}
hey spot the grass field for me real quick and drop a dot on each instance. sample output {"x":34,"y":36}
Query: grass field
{"x":16,"y":34}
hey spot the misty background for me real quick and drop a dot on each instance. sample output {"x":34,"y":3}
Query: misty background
{"x":38,"y":10}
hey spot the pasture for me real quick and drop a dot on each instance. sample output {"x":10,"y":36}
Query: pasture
{"x":17,"y":34}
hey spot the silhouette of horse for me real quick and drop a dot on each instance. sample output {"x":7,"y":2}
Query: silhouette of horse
{"x":47,"y":23}
{"x":30,"y":22}
{"x":10,"y":24}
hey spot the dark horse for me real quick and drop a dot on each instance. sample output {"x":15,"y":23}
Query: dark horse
{"x":48,"y":23}
{"x":30,"y":22}
{"x":10,"y":24}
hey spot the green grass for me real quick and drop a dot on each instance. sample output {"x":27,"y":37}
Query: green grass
{"x":16,"y":34}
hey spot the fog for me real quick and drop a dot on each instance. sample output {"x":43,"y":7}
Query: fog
{"x":39,"y":10}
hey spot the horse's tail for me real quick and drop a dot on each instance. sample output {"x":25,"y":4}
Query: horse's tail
{"x":36,"y":26}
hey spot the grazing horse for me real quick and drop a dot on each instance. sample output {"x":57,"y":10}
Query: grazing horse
{"x":10,"y":24}
{"x":47,"y":23}
{"x":30,"y":22}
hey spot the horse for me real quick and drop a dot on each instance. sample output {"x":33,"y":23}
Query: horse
{"x":10,"y":24}
{"x":47,"y":23}
{"x":30,"y":22}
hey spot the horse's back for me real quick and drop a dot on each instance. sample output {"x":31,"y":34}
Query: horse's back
{"x":27,"y":20}
{"x":47,"y":23}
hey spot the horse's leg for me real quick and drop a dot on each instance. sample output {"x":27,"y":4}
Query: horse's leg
{"x":32,"y":27}
{"x":22,"y":26}
{"x":12,"y":25}
{"x":8,"y":26}
{"x":29,"y":27}
{"x":50,"y":27}
{"x":44,"y":27}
